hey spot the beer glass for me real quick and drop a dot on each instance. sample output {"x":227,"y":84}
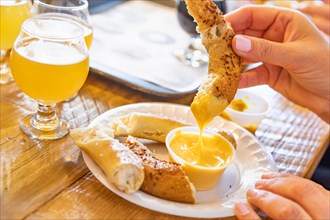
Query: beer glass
{"x":49,"y":63}
{"x":194,"y":54}
{"x":12,"y":15}
{"x":75,"y":10}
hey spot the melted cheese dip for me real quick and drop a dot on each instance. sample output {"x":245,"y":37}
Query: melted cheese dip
{"x":209,"y":151}
{"x":239,"y":105}
{"x":205,"y":107}
{"x":204,"y":160}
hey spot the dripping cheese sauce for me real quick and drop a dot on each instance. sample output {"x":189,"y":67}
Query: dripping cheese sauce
{"x":198,"y":149}
{"x":205,"y":157}
{"x":201,"y":150}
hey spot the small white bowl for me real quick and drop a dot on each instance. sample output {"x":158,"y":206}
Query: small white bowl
{"x":258,"y":107}
{"x":203,"y":178}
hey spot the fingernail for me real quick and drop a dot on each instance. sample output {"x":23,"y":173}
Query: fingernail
{"x":259,"y":184}
{"x":242,"y":209}
{"x":243,"y":44}
{"x":251,"y":192}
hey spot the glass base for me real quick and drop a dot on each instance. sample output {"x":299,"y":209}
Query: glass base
{"x":59,"y":131}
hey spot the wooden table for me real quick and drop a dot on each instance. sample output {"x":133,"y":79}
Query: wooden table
{"x":49,"y":179}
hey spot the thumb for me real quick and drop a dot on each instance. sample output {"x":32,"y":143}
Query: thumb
{"x":261,"y":50}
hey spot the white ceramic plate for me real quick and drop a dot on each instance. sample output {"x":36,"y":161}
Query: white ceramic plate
{"x":218,"y":202}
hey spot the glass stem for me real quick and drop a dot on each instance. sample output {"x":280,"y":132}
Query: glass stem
{"x":46,"y":118}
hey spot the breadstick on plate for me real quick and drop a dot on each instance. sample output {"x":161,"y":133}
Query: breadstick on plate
{"x":147,"y":126}
{"x":120,"y":165}
{"x":225,"y":67}
{"x":166,"y":180}
{"x":153,"y":127}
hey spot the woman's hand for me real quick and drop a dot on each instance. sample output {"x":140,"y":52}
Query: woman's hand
{"x":283,"y":196}
{"x":295,"y":55}
{"x":319,"y":13}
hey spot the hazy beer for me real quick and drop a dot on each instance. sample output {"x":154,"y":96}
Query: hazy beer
{"x":50,"y":63}
{"x":12,"y":14}
{"x":49,"y":72}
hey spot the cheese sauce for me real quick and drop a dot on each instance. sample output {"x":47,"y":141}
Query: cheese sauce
{"x":239,"y":105}
{"x":206,"y":151}
{"x":205,"y":107}
{"x":206,"y":156}
{"x":203,"y":158}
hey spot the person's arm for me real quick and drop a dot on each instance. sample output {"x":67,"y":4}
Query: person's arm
{"x":283,"y":196}
{"x":295,"y":62}
{"x":295,"y":55}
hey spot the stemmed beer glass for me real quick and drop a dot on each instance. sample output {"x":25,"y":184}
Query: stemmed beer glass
{"x":75,"y":10}
{"x":12,"y":15}
{"x":194,"y":55}
{"x":49,"y":63}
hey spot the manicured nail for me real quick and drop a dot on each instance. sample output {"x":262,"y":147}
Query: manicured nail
{"x":243,"y":44}
{"x":242,"y":208}
{"x":259,"y":184}
{"x":251,"y":192}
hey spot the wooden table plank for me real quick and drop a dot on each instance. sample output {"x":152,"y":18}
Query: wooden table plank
{"x":294,"y":136}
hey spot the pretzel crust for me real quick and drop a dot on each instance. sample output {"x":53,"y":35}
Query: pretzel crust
{"x":225,"y":65}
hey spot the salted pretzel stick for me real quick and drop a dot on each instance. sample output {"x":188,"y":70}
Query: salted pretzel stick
{"x":225,"y":67}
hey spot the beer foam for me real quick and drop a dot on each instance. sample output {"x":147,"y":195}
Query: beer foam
{"x":86,"y":28}
{"x":53,"y":53}
{"x":53,"y":28}
{"x":11,"y":2}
